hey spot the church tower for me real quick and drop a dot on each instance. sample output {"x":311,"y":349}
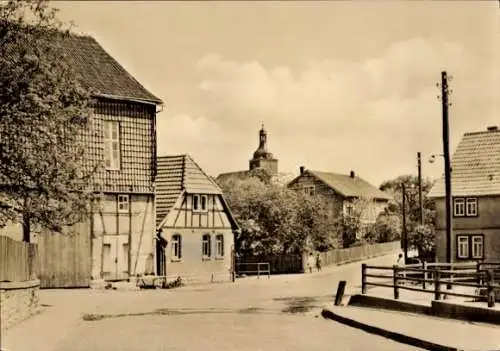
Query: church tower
{"x":262,"y":158}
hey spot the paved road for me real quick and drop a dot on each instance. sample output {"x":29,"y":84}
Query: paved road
{"x":281,"y":313}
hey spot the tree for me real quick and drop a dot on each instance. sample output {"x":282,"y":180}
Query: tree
{"x":275,"y":219}
{"x":386,"y":228}
{"x":419,"y":237}
{"x":352,"y":225}
{"x":45,"y":181}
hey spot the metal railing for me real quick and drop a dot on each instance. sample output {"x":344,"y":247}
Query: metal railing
{"x":436,"y":274}
{"x":259,"y":268}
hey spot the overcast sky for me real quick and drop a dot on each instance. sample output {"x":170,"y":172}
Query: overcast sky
{"x":340,"y":86}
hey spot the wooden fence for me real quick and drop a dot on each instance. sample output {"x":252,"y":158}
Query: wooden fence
{"x":479,"y":276}
{"x":65,"y":260}
{"x":355,"y":253}
{"x":18,"y":260}
{"x":278,"y":264}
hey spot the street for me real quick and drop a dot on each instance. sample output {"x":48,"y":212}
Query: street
{"x":281,"y":313}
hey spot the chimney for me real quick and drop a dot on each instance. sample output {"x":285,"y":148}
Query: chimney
{"x":492,"y":128}
{"x":302,"y":168}
{"x":353,"y":174}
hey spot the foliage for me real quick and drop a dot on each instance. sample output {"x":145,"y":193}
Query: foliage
{"x":275,"y":219}
{"x":421,"y":238}
{"x":352,"y":224}
{"x":386,"y":228}
{"x":44,"y":112}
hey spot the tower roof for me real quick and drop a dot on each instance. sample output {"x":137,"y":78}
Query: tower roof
{"x":261,"y":151}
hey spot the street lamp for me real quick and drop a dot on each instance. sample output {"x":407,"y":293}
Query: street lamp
{"x":432,"y":158}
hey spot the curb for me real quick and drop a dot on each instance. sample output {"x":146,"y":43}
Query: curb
{"x":401,"y":338}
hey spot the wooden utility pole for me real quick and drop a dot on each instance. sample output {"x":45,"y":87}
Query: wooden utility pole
{"x":447,"y":166}
{"x":404,"y":235}
{"x":420,"y":199}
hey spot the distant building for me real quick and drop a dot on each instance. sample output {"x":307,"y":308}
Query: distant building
{"x":342,"y":190}
{"x":194,"y":221}
{"x":262,"y":159}
{"x":475,"y":184}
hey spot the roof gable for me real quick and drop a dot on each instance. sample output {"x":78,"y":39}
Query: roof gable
{"x":475,"y":166}
{"x":348,"y":186}
{"x":100,"y":72}
{"x":176,"y":175}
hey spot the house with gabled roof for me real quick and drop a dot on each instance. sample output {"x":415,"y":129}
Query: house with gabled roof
{"x":195,"y":222}
{"x":475,"y":188}
{"x":118,"y":240}
{"x":342,"y":191}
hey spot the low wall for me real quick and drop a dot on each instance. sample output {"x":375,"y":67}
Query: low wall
{"x":18,"y":301}
{"x":356,"y":253}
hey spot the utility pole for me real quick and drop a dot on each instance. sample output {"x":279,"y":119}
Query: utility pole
{"x":447,"y":167}
{"x":404,"y":236}
{"x":420,"y":199}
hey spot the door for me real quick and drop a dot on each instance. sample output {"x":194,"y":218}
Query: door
{"x":115,"y":260}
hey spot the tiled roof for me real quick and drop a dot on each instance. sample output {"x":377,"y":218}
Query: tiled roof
{"x":178,"y":174}
{"x":475,"y":166}
{"x":100,"y":72}
{"x":348,"y":186}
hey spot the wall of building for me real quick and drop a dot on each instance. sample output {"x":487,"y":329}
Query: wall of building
{"x":335,"y":200}
{"x":123,"y":241}
{"x":193,"y":267}
{"x":487,"y":223}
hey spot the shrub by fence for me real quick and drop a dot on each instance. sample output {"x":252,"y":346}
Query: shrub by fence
{"x":18,"y":260}
{"x":278,"y":264}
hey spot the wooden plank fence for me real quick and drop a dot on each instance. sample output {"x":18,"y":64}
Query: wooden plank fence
{"x":18,"y":260}
{"x":339,"y":256}
{"x":65,"y":260}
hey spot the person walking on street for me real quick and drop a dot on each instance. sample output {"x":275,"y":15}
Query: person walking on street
{"x":318,"y":262}
{"x":310,"y":262}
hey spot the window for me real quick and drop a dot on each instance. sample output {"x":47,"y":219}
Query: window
{"x":459,"y":207}
{"x":463,"y":246}
{"x":470,"y":247}
{"x":349,"y":209}
{"x":477,"y":247}
{"x":176,"y":247}
{"x":465,"y":207}
{"x":123,"y":203}
{"x":205,"y":246}
{"x":203,"y":202}
{"x":308,"y":189}
{"x":196,"y":202}
{"x":471,"y":207}
{"x":112,"y":145}
{"x":219,"y":240}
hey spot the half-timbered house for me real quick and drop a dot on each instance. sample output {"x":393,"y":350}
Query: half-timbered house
{"x":194,"y":220}
{"x":118,"y":241}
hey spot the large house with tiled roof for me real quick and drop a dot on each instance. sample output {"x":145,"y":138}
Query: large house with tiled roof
{"x":118,"y":241}
{"x":475,"y":188}
{"x":342,"y":190}
{"x":195,"y":222}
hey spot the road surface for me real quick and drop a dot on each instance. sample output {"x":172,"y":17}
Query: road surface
{"x":281,"y":313}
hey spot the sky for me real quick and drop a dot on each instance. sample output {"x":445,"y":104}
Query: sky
{"x":339,"y":86}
